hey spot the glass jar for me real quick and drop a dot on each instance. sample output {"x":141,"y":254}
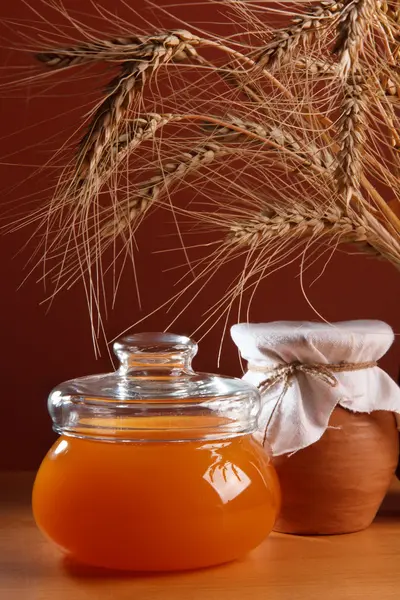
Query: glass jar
{"x":156,"y":467}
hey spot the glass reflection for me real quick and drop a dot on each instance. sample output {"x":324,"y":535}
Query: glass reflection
{"x":227,"y":479}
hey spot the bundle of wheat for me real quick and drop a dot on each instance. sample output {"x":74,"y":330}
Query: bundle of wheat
{"x":298,"y":127}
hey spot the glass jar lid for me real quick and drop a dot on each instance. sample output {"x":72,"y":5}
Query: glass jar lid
{"x":154,"y":396}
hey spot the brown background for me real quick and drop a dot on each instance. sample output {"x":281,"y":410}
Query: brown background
{"x":41,"y":348}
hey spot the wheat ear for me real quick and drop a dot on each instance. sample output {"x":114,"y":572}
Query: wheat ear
{"x":171,"y":173}
{"x":354,"y":26}
{"x":136,"y":131}
{"x":324,"y":68}
{"x":351,"y":136}
{"x":302,"y":28}
{"x":141,"y":128}
{"x":315,"y":66}
{"x":299,"y":222}
{"x":116,"y":49}
{"x":308,"y":153}
{"x":355,"y":22}
{"x":392,"y":9}
{"x":123,"y":89}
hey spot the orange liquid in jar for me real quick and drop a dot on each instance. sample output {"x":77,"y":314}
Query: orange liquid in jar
{"x":156,"y":505}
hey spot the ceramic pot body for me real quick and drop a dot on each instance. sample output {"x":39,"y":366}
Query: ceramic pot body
{"x":337,"y":484}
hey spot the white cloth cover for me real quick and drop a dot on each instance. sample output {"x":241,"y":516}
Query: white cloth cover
{"x":302,"y":415}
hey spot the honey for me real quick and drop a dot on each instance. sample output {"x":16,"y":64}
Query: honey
{"x":155,"y":468}
{"x":156,"y":506}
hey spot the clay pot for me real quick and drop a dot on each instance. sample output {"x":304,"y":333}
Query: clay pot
{"x":337,"y":484}
{"x":398,"y":464}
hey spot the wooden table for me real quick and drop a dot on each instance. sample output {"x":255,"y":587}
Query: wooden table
{"x":359,"y":566}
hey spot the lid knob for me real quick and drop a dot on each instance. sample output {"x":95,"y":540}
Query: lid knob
{"x":154,"y":351}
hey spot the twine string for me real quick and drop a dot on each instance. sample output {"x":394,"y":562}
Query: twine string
{"x":284,"y":373}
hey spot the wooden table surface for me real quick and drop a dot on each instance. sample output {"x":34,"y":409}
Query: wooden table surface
{"x":360,"y":566}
